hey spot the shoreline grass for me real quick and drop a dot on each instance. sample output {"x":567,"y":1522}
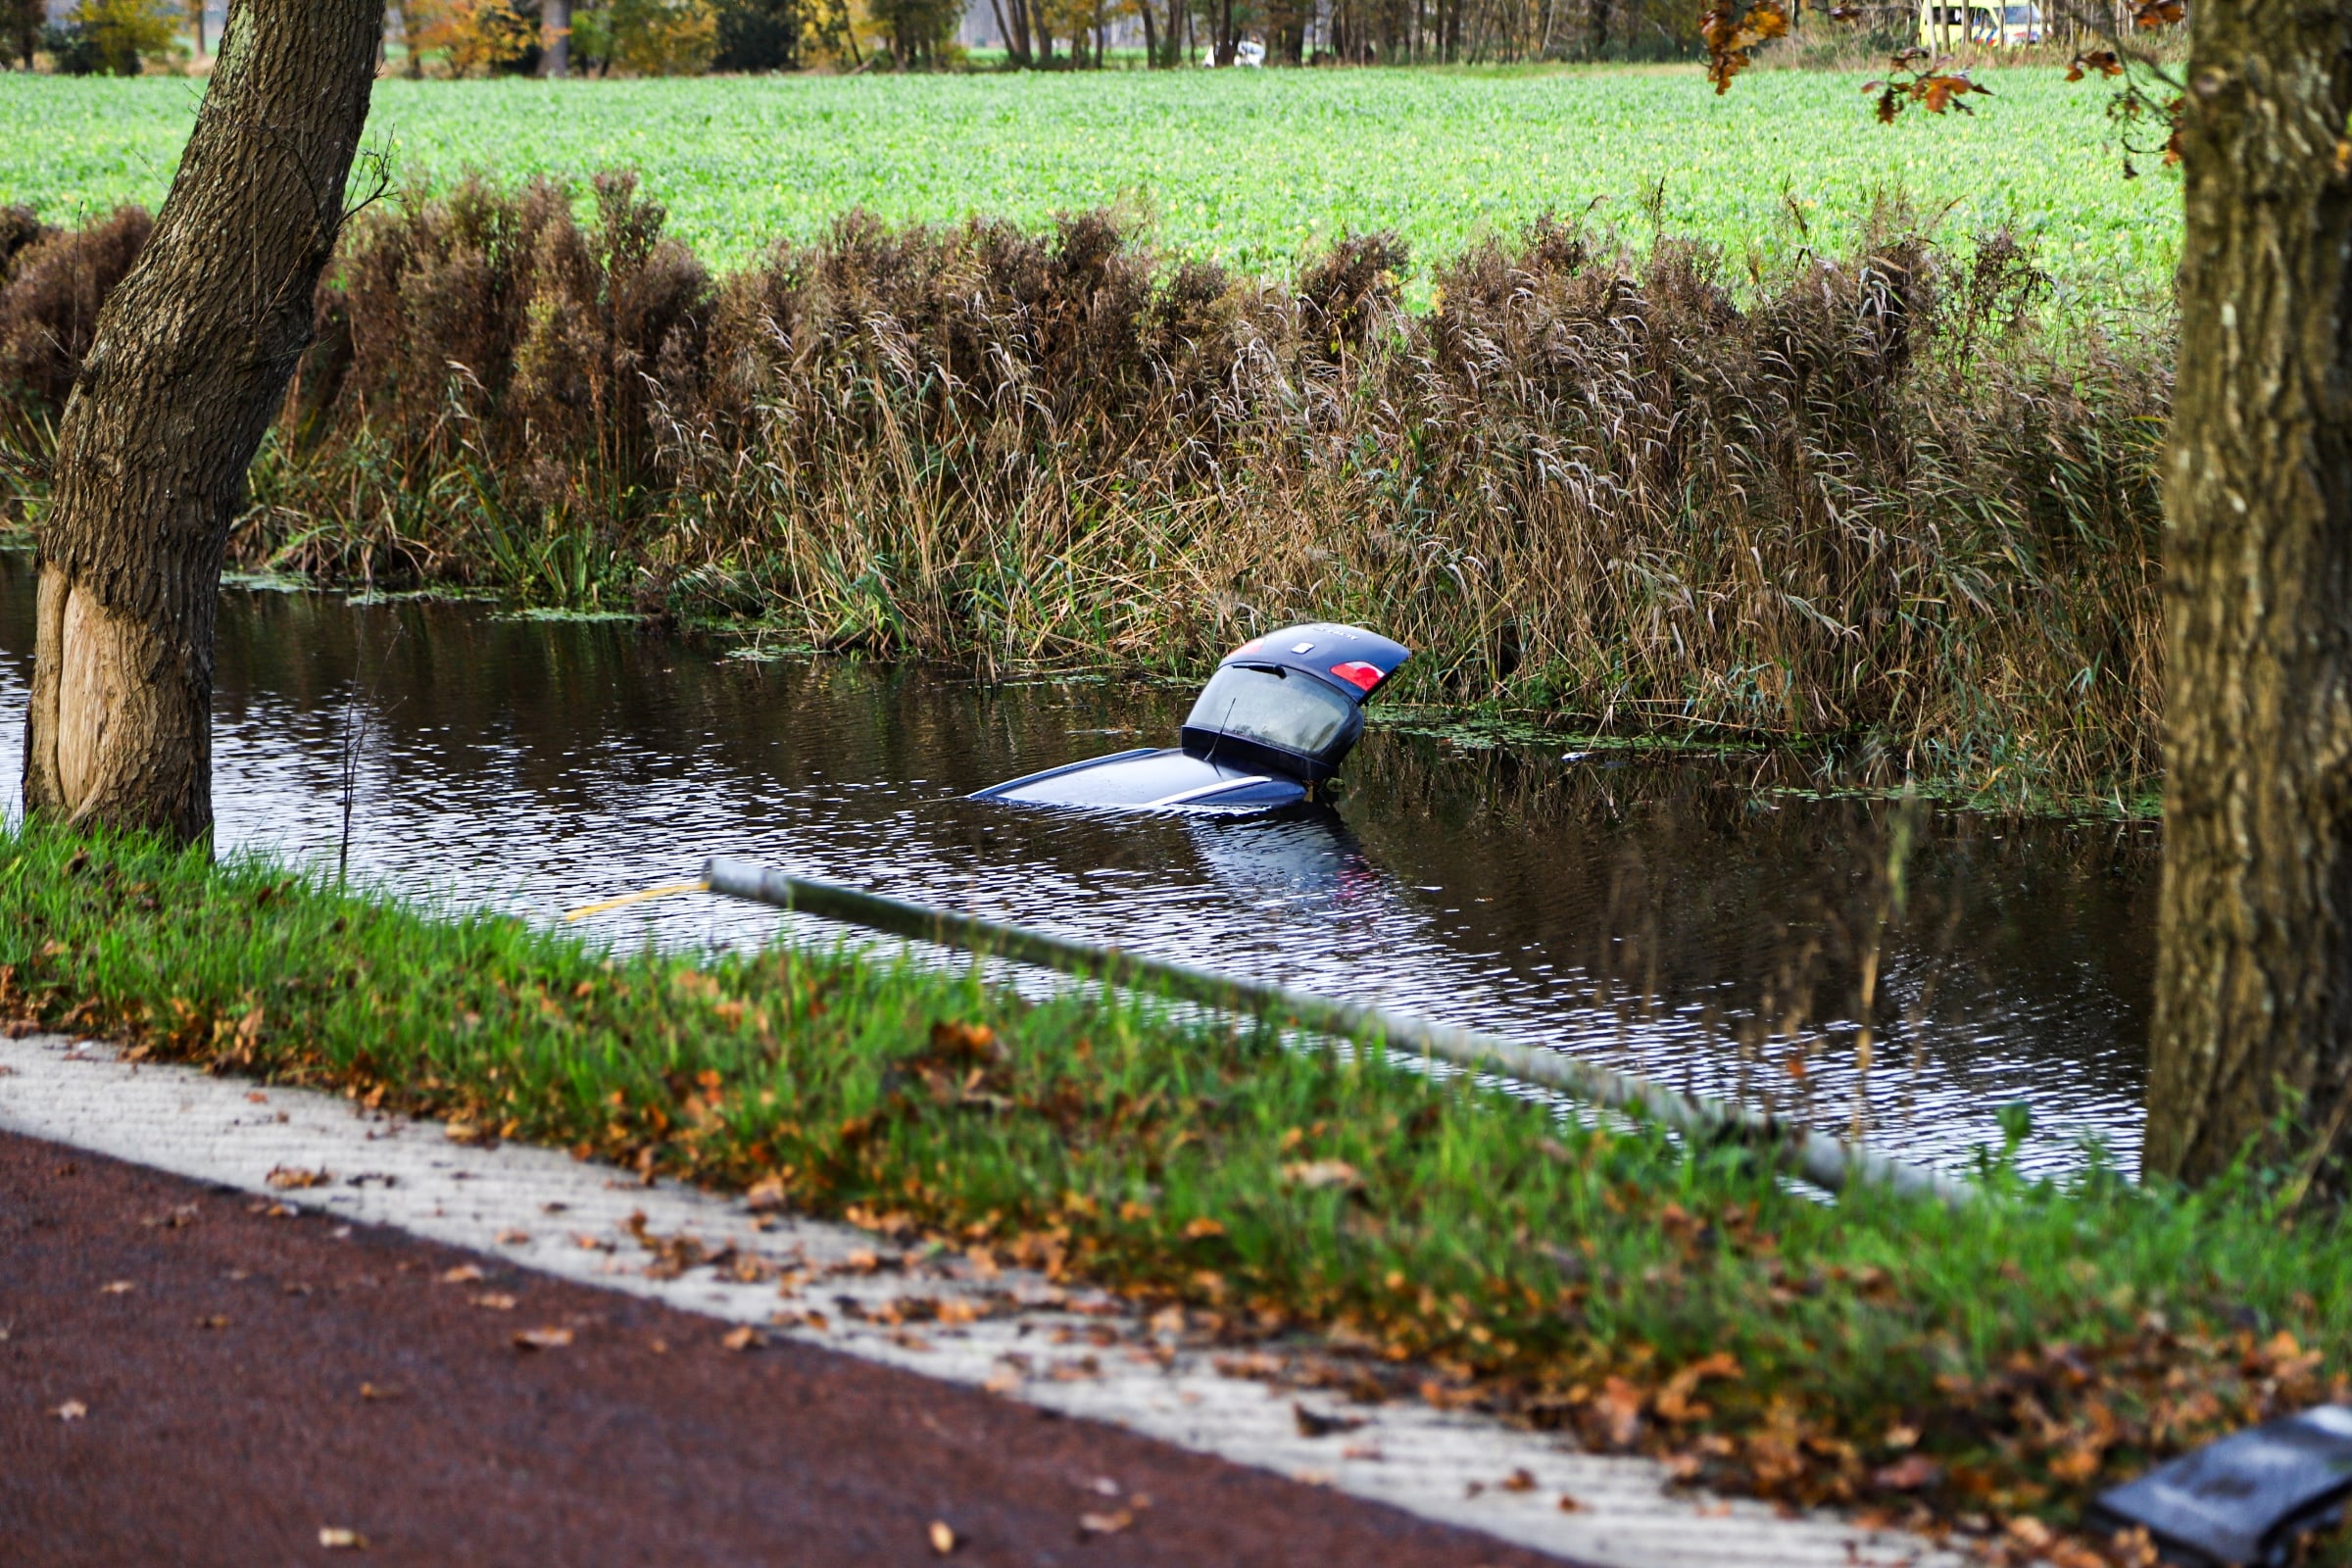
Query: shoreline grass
{"x":1350,"y":1220}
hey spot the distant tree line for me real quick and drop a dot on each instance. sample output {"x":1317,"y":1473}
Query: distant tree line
{"x":688,"y":37}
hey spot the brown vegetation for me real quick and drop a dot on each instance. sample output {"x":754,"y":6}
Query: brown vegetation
{"x":1866,"y":502}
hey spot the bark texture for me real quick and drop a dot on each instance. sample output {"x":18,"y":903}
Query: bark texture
{"x":190,"y":357}
{"x":2253,"y":1020}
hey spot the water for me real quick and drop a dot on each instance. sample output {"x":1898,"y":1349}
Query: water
{"x":1644,"y":914}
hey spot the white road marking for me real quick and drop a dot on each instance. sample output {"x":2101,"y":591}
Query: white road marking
{"x":578,"y":1216}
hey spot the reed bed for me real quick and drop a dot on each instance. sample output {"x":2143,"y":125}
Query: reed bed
{"x":1870,"y":505}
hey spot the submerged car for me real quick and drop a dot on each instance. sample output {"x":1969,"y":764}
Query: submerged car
{"x":1268,"y":730}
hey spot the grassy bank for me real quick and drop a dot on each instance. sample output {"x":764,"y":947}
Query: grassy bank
{"x":1359,"y":1224}
{"x":1865,"y":506}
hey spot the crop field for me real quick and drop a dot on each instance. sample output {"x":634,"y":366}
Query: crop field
{"x":1250,"y":168}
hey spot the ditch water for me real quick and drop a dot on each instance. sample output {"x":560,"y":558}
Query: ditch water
{"x":1661,"y":915}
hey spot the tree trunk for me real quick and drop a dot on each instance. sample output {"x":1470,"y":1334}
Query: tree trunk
{"x":2252,"y":1037}
{"x":555,"y":20}
{"x":412,"y":23}
{"x":1016,"y":40}
{"x":189,"y":358}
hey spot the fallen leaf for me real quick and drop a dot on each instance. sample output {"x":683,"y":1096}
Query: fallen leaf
{"x":1569,"y":1504}
{"x":744,"y":1338}
{"x":1003,"y":1380}
{"x":214,"y":1322}
{"x":291,"y":1177}
{"x":1104,"y":1524}
{"x":1619,"y":1402}
{"x":335,"y":1539}
{"x":513,"y":1238}
{"x":496,"y":1302}
{"x":1914,"y":1472}
{"x":2031,"y":1532}
{"x":256,"y":1096}
{"x":943,"y":1539}
{"x":463,"y":1274}
{"x":368,"y":1390}
{"x":764,"y":1194}
{"x":1368,"y":1451}
{"x":1519,"y":1480}
{"x":1314,"y":1423}
{"x":1201,"y":1229}
{"x":1900,"y":1438}
{"x":1319,"y":1173}
{"x":542,"y":1339}
{"x":70,"y":1410}
{"x":117,"y":1288}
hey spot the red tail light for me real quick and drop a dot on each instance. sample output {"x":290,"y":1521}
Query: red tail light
{"x":1362,"y":676}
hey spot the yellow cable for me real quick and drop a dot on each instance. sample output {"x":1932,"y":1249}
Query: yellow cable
{"x":662,"y":892}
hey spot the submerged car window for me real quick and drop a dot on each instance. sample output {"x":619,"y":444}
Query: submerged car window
{"x":1295,"y":712}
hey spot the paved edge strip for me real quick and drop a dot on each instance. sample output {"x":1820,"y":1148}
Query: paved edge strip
{"x":1080,"y":1352}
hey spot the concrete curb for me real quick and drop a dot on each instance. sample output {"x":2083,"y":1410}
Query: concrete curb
{"x":834,"y":1286}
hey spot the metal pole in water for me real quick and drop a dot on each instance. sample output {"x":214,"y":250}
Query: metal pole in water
{"x":1831,"y":1163}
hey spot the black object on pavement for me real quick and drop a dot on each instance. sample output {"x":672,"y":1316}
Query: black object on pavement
{"x":2243,"y":1499}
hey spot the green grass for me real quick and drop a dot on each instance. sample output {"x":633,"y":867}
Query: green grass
{"x":1370,"y":1224}
{"x":1251,"y":169}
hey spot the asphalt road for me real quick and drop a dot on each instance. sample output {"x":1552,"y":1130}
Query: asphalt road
{"x":234,"y":1383}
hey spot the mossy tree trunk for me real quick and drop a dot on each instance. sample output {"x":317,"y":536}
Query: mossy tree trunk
{"x":2253,"y":1019}
{"x":190,"y":357}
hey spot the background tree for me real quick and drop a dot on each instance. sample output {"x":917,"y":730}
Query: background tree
{"x":187,"y":365}
{"x":21,"y":29}
{"x":757,"y":35}
{"x":554,"y":29}
{"x":473,"y":38}
{"x":125,"y":34}
{"x":916,"y":31}
{"x":664,"y":37}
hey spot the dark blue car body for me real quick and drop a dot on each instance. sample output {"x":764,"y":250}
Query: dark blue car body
{"x":1275,"y":723}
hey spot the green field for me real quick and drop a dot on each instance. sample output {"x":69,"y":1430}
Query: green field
{"x":1250,"y":169}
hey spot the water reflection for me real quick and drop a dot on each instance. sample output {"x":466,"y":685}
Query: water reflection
{"x":1644,"y":914}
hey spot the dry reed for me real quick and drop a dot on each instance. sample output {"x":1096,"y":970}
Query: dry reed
{"x":1869,"y":504}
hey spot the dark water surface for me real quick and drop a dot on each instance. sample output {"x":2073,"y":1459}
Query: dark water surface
{"x":1653,"y":915}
